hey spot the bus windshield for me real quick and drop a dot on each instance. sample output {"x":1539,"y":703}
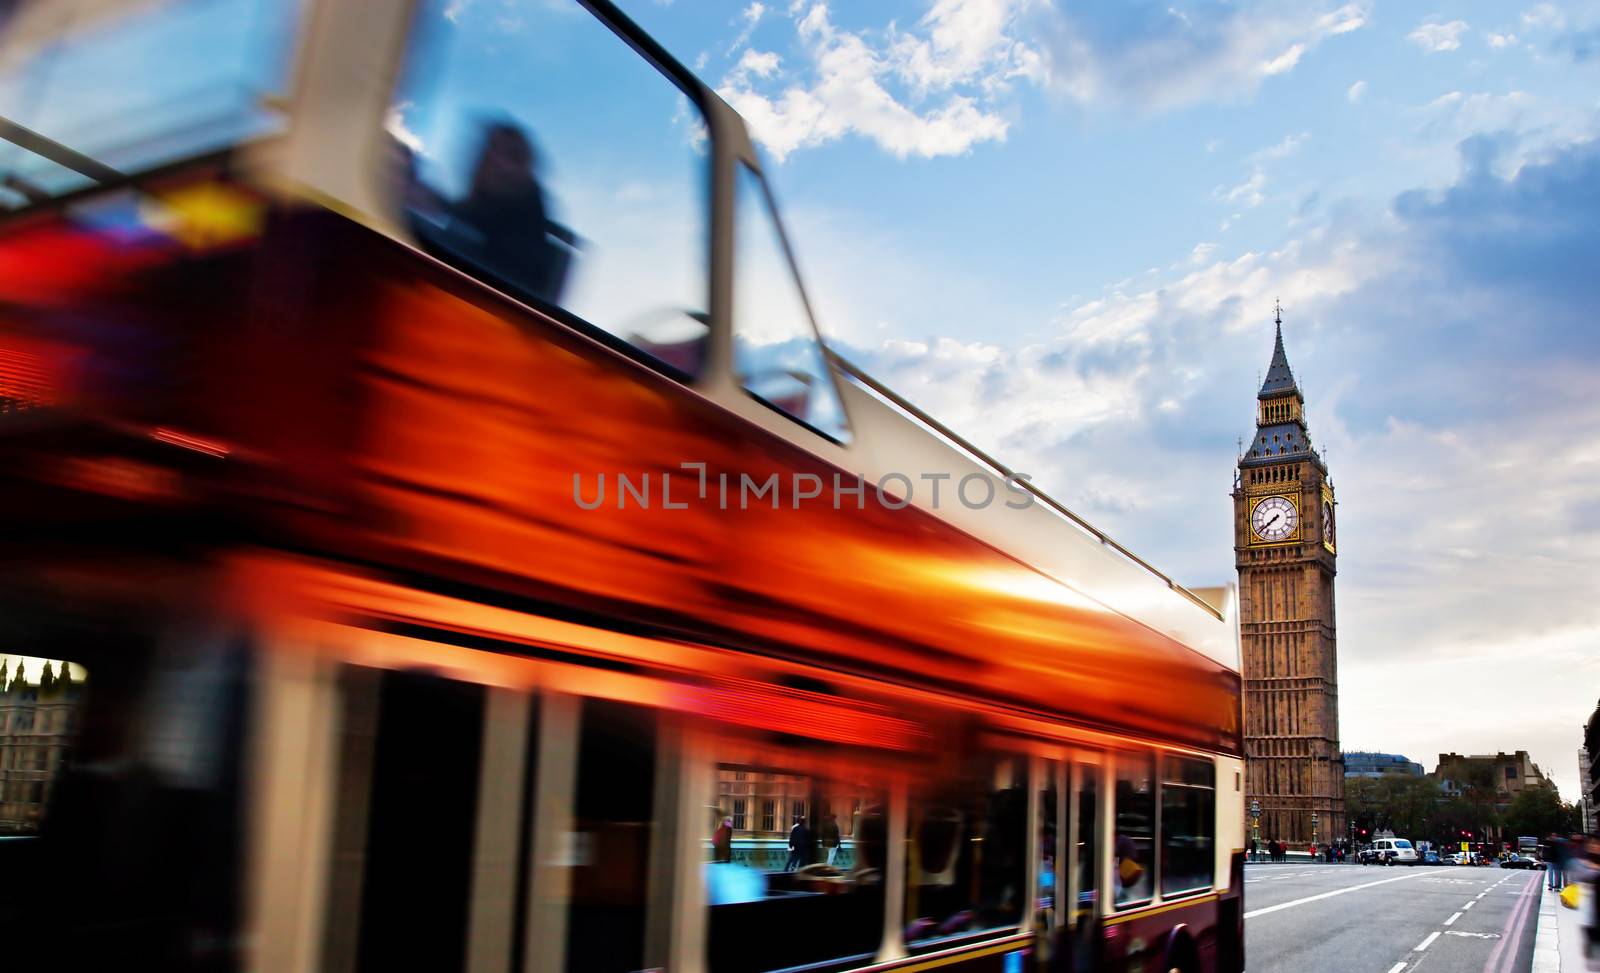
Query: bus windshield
{"x":94,"y":89}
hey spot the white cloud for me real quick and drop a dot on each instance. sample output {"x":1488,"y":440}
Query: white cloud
{"x":1356,"y":91}
{"x":849,"y":88}
{"x":1435,"y":37}
{"x":1247,"y":192}
{"x":751,"y":16}
{"x":1173,"y":59}
{"x":1499,"y":41}
{"x":762,"y":64}
{"x":394,"y":122}
{"x":966,"y":41}
{"x":1284,"y":61}
{"x":1543,"y":15}
{"x":1285,"y":147}
{"x":1529,"y":126}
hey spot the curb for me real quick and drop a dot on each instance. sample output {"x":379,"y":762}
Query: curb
{"x":1546,"y":955}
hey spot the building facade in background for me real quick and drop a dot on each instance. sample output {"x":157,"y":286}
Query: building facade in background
{"x":1589,"y":773}
{"x":1284,"y":547}
{"x":1508,"y":773}
{"x":1586,"y":792}
{"x":1367,"y":763}
{"x":36,"y":725}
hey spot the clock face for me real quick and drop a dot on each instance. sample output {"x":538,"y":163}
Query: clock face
{"x":1274,"y":519}
{"x":1327,"y":523}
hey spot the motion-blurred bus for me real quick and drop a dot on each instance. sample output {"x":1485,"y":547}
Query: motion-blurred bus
{"x":436,"y":538}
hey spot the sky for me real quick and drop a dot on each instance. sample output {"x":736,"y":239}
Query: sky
{"x":1061,"y":227}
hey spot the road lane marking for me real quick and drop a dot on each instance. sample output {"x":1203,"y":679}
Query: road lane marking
{"x":1469,"y":905}
{"x":1519,"y":919}
{"x":1325,"y":895}
{"x":1452,"y":920}
{"x":1396,"y":968}
{"x":1427,"y":942}
{"x":1473,"y":935}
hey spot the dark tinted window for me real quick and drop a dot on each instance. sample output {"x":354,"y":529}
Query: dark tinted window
{"x":967,"y":864}
{"x":421,"y":824}
{"x":1087,"y":840}
{"x":614,"y":810}
{"x":1133,"y":854}
{"x":1049,"y":849}
{"x":1188,"y":824}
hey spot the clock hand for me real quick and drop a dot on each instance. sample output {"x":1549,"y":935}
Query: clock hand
{"x":1272,"y":521}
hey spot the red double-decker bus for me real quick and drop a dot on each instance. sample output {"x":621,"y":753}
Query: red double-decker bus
{"x":436,"y":537}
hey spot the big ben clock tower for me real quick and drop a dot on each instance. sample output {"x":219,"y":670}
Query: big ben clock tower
{"x":1285,"y":545}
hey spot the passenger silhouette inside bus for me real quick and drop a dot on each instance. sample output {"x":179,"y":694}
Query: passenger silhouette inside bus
{"x":501,"y":225}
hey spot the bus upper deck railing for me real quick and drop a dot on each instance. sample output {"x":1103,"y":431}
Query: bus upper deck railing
{"x":860,"y":375}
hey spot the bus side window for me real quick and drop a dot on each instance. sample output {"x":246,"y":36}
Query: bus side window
{"x":1133,"y":851}
{"x":777,"y":354}
{"x":798,"y":879}
{"x":540,"y":153}
{"x":1087,"y":840}
{"x":1188,"y":824}
{"x":968,"y":854}
{"x":1050,"y":848}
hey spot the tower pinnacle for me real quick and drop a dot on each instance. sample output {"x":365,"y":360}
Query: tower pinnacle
{"x":1280,"y":379}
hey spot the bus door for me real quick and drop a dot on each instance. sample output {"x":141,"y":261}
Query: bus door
{"x":1086,"y":866}
{"x":480,"y":828}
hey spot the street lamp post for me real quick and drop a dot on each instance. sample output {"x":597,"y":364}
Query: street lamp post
{"x":1255,"y":827}
{"x":1313,"y":830}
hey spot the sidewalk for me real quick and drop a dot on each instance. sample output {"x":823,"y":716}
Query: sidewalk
{"x":1558,"y":946}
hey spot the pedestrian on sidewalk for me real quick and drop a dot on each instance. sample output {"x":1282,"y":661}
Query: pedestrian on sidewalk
{"x":799,"y":845}
{"x":830,"y":836}
{"x":1555,"y":862}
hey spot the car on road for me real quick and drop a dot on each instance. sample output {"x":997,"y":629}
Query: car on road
{"x":1431,"y":858}
{"x":1521,"y":861}
{"x":1388,"y":851}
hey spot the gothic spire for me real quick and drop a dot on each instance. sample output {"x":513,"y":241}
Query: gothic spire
{"x":1279,"y":378}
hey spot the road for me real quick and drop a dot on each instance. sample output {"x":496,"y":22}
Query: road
{"x":1347,"y":919}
